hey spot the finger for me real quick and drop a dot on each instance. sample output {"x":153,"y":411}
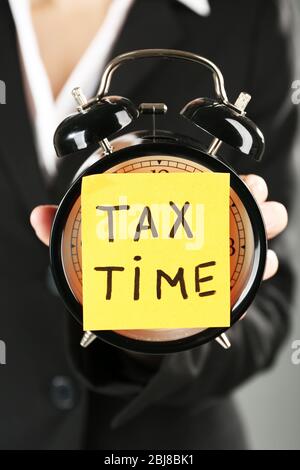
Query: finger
{"x":272,"y":265}
{"x":41,"y":219}
{"x":275,"y":217}
{"x":257,"y":186}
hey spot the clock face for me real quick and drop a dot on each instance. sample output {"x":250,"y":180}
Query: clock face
{"x":241,"y":243}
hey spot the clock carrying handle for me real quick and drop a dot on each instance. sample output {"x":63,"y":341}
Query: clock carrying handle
{"x":163,"y":54}
{"x":103,"y":116}
{"x":224,"y":121}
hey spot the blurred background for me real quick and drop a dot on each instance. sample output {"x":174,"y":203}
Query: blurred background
{"x":270,"y":403}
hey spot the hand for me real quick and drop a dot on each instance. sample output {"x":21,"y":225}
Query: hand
{"x":274,"y":214}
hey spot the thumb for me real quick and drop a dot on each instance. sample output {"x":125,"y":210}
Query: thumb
{"x":41,"y":219}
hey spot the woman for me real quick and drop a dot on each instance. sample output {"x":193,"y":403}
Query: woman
{"x":53,"y":394}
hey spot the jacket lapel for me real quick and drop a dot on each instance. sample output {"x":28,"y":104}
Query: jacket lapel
{"x":16,"y":136}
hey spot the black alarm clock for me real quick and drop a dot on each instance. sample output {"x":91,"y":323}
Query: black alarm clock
{"x":102,"y":118}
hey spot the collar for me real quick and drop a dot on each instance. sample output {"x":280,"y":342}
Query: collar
{"x":201,"y":7}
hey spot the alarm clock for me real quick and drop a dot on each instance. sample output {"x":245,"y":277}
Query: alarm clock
{"x":93,"y":131}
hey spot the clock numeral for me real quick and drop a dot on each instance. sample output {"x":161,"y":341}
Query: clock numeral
{"x":160,"y":171}
{"x":232,"y":247}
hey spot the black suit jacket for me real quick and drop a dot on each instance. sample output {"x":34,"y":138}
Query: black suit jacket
{"x":55,"y":395}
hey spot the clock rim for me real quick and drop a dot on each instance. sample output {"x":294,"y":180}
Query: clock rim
{"x":142,"y":150}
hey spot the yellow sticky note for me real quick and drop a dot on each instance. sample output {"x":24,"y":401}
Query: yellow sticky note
{"x":155,"y":251}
